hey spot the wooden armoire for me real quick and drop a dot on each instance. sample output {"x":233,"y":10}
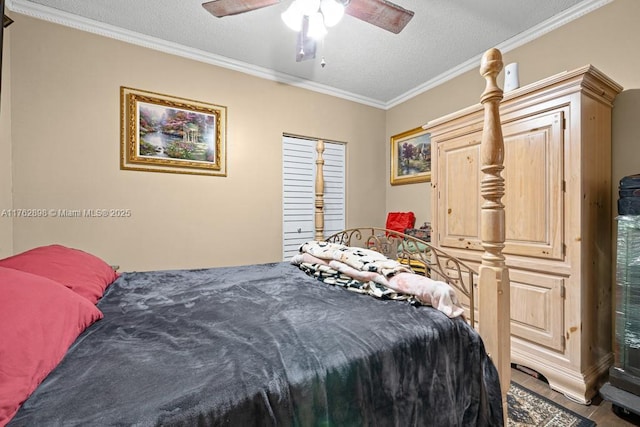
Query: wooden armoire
{"x":557,"y":172}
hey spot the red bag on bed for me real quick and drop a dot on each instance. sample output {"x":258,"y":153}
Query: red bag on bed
{"x":400,"y":221}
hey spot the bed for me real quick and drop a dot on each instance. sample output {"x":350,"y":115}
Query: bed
{"x":261,"y":344}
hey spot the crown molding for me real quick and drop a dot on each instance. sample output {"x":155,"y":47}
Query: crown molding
{"x":63,"y":18}
{"x":56,"y":16}
{"x":533,"y":33}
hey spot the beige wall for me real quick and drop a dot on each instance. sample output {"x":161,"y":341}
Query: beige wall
{"x":607,"y":38}
{"x":6,"y":221}
{"x":65,"y":122}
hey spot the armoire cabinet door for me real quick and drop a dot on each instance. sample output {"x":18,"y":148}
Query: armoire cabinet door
{"x":534,"y":188}
{"x":537,"y":307}
{"x":533,"y":174}
{"x":537,"y":312}
{"x":458,"y":193}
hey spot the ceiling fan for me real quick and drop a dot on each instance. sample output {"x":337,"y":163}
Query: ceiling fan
{"x":381,"y":13}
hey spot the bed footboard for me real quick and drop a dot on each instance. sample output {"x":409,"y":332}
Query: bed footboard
{"x":418,"y":254}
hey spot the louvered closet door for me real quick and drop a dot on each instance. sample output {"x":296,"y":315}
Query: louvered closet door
{"x":298,"y":191}
{"x":334,"y":178}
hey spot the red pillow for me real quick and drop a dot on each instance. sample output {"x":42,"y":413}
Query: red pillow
{"x":83,"y":273}
{"x":39,"y":320}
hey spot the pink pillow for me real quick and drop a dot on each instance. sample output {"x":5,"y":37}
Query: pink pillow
{"x":83,"y":273}
{"x":39,"y":320}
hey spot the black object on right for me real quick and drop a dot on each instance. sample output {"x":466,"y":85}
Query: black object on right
{"x":629,"y":191}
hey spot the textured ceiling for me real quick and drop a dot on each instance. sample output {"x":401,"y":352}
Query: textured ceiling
{"x":364,"y":63}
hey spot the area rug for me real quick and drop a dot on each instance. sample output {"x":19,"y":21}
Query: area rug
{"x":529,"y":409}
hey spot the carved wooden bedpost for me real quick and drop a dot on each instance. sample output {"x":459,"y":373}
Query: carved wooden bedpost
{"x":494,"y":295}
{"x":319,"y":218}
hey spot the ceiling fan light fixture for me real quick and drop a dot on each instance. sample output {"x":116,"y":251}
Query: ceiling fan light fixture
{"x":308,"y":7}
{"x":332,"y":10}
{"x":317,"y":30}
{"x":292,"y":17}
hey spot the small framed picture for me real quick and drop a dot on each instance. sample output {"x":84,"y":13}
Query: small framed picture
{"x":162,"y":133}
{"x":411,"y":157}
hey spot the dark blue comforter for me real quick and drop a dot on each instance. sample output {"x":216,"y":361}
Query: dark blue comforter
{"x":265,"y":345}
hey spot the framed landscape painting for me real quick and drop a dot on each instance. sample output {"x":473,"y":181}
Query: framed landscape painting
{"x":411,"y":157}
{"x":162,"y":133}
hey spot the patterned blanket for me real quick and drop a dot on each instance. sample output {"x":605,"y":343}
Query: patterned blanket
{"x":369,"y":272}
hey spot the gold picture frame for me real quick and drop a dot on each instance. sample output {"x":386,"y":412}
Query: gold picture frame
{"x":162,"y":133}
{"x":411,"y":157}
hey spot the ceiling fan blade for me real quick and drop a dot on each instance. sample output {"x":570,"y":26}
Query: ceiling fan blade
{"x":305,"y":46}
{"x":220,"y":8}
{"x":381,"y":13}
